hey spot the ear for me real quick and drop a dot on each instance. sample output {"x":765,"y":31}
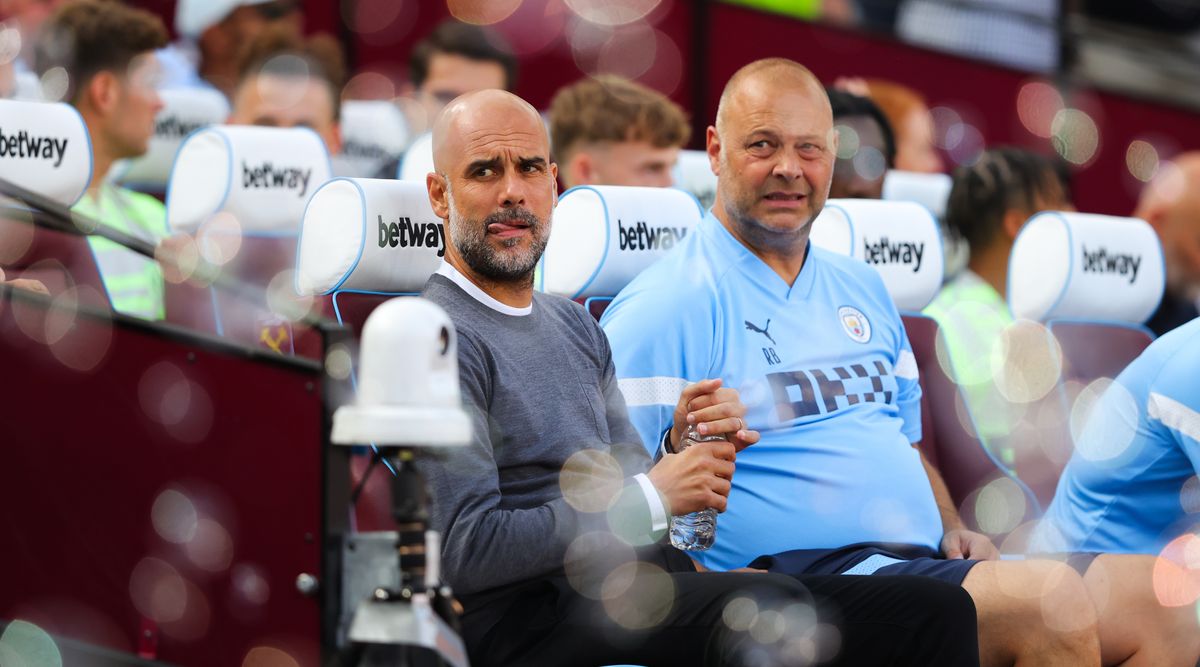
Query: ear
{"x":436,"y":185}
{"x":712,"y":146}
{"x":581,"y":170}
{"x":1156,"y":216}
{"x":554,"y":184}
{"x":102,"y":91}
{"x":1012,"y":223}
{"x":335,"y":139}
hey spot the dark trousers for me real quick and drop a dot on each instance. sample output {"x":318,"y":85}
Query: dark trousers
{"x":677,"y":617}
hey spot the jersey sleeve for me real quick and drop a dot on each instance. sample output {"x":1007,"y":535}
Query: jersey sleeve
{"x":1173,"y":404}
{"x":661,"y":341}
{"x":908,"y":376}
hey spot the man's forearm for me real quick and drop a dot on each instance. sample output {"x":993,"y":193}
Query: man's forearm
{"x":941,"y":495}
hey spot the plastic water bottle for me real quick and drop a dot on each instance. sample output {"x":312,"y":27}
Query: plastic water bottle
{"x":696,"y":531}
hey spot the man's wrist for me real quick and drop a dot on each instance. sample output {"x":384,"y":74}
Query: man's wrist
{"x":665,"y":445}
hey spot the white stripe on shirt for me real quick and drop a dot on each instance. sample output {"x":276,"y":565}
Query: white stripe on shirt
{"x":1174,"y":415}
{"x":906,"y":366}
{"x":642,"y":392}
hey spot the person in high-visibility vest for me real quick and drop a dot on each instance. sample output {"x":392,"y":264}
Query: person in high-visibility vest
{"x":989,"y":201}
{"x":107,"y":52}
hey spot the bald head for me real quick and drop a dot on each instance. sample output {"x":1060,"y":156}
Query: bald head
{"x":1176,"y":181}
{"x":479,"y":114}
{"x":772,"y":150}
{"x":1171,"y":204}
{"x":495,"y":187}
{"x":761,"y":82}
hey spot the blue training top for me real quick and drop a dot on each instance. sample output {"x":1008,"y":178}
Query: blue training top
{"x":1131,"y":486}
{"x":825,"y":370}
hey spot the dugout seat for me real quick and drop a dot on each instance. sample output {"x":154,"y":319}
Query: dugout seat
{"x":59,"y":260}
{"x":240,"y":192}
{"x":874,"y":231}
{"x":933,"y":192}
{"x":693,"y":174}
{"x":605,"y":235}
{"x":184,"y":110}
{"x":374,"y":133}
{"x":1091,"y":280}
{"x":364,"y":241}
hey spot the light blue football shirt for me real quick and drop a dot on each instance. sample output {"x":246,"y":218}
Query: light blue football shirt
{"x":1131,"y":485}
{"x":825,"y":370}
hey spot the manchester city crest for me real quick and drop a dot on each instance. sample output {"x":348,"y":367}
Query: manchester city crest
{"x":855,"y":324}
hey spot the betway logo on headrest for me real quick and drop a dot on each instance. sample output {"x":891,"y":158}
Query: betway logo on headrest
{"x":172,"y":127}
{"x":1103,"y":261}
{"x":884,"y":251}
{"x":642,"y":236}
{"x":366,"y":151}
{"x":268,"y":175}
{"x":404,"y":233}
{"x":24,"y":145}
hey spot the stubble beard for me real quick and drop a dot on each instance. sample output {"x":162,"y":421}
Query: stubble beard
{"x":753,"y":231}
{"x":470,"y":240}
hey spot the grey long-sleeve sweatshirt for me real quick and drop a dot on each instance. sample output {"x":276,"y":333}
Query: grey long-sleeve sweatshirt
{"x":539,"y":387}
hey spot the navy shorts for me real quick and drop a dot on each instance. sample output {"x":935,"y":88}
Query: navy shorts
{"x":867,"y":559}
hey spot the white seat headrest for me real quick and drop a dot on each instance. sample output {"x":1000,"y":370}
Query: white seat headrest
{"x":929,"y":190}
{"x":418,"y":160}
{"x":374,"y":133}
{"x":45,"y":147}
{"x":1085,"y":266}
{"x":693,"y":173}
{"x":261,"y":175}
{"x":184,"y":111}
{"x":605,"y":235}
{"x":368,"y":234}
{"x":900,"y":239}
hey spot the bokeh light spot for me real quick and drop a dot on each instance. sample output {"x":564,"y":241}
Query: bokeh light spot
{"x":1189,"y":495}
{"x":1177,"y":572}
{"x":848,"y":142}
{"x":157,"y":590}
{"x":1027,"y":362}
{"x":193,"y":624}
{"x":1141,"y":158}
{"x":947,"y":127}
{"x":174,"y":516}
{"x":739,"y":613}
{"x":1075,"y":136}
{"x":10,"y":43}
{"x":1103,"y":420}
{"x":81,"y":343}
{"x":590,"y":480}
{"x":638,"y":595}
{"x":55,"y":83}
{"x":1037,"y":105}
{"x":482,"y":12}
{"x":999,"y":506}
{"x":283,"y":300}
{"x":338,"y":362}
{"x":268,"y":656}
{"x":369,"y":86}
{"x":768,"y":627}
{"x":968,"y":147}
{"x":250,"y":584}
{"x":169,"y":398}
{"x":211,"y":547}
{"x":24,"y":644}
{"x":220,"y":238}
{"x":612,"y":12}
{"x":591,"y":557}
{"x":870,"y":164}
